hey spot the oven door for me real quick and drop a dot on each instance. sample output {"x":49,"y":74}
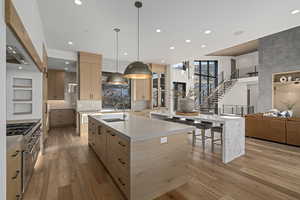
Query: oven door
{"x":29,"y":159}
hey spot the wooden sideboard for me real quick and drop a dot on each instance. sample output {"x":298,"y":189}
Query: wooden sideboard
{"x":277,"y":129}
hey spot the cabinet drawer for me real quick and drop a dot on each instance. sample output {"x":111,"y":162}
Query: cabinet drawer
{"x":121,"y":145}
{"x":121,"y":162}
{"x":121,"y":180}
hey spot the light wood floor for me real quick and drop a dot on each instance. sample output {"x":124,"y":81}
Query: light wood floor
{"x":70,"y":170}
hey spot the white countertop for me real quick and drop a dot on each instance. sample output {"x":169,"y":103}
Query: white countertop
{"x":216,"y":118}
{"x":12,"y":141}
{"x":138,"y":128}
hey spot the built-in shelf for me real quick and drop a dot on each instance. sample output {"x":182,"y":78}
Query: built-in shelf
{"x":22,"y":108}
{"x":287,"y":83}
{"x":22,"y":82}
{"x":22,"y":96}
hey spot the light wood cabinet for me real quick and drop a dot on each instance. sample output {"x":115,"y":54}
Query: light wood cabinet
{"x":62,"y":117}
{"x":13,"y":178}
{"x":142,"y":90}
{"x":56,"y":85}
{"x":90,"y":76}
{"x":144,"y":169}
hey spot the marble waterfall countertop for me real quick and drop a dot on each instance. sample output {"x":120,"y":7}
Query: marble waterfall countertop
{"x":233,"y":132}
{"x":138,"y":128}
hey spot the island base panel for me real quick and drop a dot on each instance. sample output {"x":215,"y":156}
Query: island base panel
{"x":158,"y":168}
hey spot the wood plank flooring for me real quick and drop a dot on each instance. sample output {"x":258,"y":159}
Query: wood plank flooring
{"x":70,"y":170}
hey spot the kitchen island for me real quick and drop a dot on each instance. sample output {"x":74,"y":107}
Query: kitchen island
{"x":145,"y":157}
{"x":233,"y":132}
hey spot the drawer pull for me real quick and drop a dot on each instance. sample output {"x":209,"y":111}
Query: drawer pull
{"x":17,"y":174}
{"x":120,"y":180}
{"x":121,"y":144}
{"x":15,"y":155}
{"x":122,"y":162}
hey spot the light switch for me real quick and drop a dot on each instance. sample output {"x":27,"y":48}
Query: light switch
{"x":163,"y":140}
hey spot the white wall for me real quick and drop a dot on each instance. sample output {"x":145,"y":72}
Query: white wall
{"x":37,"y":95}
{"x":237,"y":95}
{"x":247,"y":60}
{"x":29,"y":13}
{"x":2,"y":103}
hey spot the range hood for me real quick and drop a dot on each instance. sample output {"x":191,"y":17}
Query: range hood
{"x":14,"y":55}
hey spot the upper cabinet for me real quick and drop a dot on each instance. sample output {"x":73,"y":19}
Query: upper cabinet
{"x":56,"y":85}
{"x":90,"y":66}
{"x":142,"y":89}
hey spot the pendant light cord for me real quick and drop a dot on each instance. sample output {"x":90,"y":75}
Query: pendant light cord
{"x":117,"y":61}
{"x":138,"y":53}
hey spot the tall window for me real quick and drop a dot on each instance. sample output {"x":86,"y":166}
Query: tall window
{"x":206,"y":79}
{"x":115,"y":96}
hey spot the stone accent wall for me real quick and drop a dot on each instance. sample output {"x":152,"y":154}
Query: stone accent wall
{"x":277,"y":53}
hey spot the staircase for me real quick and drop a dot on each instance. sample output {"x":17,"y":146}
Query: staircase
{"x":210,"y":102}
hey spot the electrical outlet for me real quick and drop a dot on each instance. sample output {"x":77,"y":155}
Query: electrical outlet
{"x":163,"y":140}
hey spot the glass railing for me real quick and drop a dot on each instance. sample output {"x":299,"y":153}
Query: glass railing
{"x":237,"y":110}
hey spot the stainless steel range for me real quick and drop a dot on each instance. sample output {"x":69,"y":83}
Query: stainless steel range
{"x":31,"y":133}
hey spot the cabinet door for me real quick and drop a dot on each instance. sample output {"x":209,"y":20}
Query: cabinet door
{"x":51,"y":85}
{"x":147,"y":89}
{"x":85,"y":87}
{"x":142,"y":90}
{"x":60,"y":85}
{"x":56,"y":85}
{"x":95,"y":81}
{"x":101,"y":141}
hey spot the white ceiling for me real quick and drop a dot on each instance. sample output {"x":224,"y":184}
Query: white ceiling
{"x":60,"y":64}
{"x":90,"y":25}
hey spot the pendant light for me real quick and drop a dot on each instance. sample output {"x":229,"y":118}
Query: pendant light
{"x":117,"y":78}
{"x":138,"y":69}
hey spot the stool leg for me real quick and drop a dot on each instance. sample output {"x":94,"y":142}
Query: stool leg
{"x":194,"y":138}
{"x":212,"y":141}
{"x":221,"y":138}
{"x":203,"y":139}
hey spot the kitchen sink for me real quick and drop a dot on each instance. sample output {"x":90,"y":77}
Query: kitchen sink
{"x":114,"y":120}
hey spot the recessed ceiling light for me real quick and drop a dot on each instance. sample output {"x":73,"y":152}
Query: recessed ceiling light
{"x":172,"y":48}
{"x":20,"y":67}
{"x":207,"y":32}
{"x":125,"y":54}
{"x":67,"y":62}
{"x":78,"y":2}
{"x":66,"y":68}
{"x":70,"y":43}
{"x":158,"y":30}
{"x":188,"y":41}
{"x":203,"y":46}
{"x":295,"y":12}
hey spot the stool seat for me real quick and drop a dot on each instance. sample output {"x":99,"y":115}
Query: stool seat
{"x":218,"y":129}
{"x":203,"y":126}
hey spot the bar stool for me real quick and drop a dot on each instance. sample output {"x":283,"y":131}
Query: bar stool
{"x":216,"y":129}
{"x":203,"y":126}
